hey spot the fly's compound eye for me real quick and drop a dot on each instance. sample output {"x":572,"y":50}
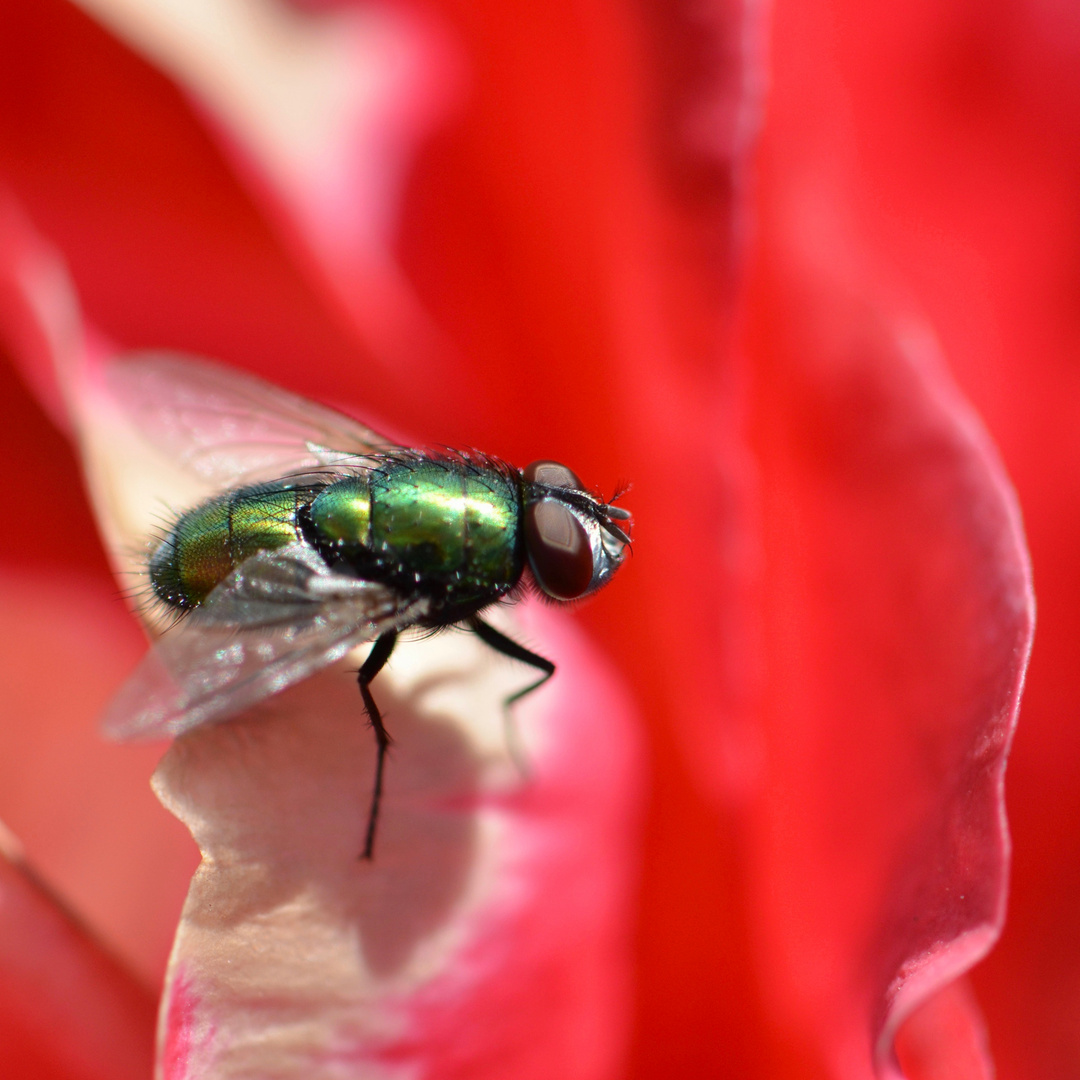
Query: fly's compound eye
{"x":552,"y":474}
{"x":559,"y":550}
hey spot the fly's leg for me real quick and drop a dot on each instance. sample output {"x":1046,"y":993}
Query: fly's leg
{"x":376,"y":660}
{"x":508,"y":647}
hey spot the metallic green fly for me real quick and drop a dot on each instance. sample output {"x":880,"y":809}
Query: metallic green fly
{"x":325,"y":536}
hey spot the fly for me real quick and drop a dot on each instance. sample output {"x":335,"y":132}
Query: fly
{"x":327,"y":535}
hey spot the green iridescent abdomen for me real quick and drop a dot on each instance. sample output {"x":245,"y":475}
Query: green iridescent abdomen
{"x":447,"y":527}
{"x":209,"y":542}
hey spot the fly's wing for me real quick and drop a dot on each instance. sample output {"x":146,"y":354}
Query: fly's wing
{"x":231,"y":428}
{"x":278,"y":618}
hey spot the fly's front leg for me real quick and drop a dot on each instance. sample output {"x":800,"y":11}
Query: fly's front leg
{"x":376,"y":660}
{"x":508,"y":647}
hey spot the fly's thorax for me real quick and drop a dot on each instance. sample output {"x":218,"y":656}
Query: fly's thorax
{"x":443,"y":519}
{"x":449,"y":526}
{"x":206,"y":544}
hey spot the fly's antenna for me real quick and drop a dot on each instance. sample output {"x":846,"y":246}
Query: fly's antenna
{"x":613,"y":513}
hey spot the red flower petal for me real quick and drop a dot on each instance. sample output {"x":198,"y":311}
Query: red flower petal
{"x":67,"y":1009}
{"x":321,"y":111}
{"x":961,"y":130}
{"x":898,"y":618}
{"x":65,"y":642}
{"x":163,"y":243}
{"x":946,"y":1038}
{"x":82,"y":807}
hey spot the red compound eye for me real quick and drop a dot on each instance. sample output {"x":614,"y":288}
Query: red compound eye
{"x":559,"y":549}
{"x":552,"y":474}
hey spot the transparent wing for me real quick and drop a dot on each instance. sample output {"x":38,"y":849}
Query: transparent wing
{"x":280,"y":617}
{"x":229,"y":427}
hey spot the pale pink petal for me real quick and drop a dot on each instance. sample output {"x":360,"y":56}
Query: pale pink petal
{"x":487,"y":938}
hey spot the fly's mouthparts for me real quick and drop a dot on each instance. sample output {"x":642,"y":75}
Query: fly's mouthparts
{"x":616,"y":532}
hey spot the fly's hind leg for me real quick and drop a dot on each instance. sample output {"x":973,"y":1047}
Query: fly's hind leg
{"x":508,"y":647}
{"x":376,"y":660}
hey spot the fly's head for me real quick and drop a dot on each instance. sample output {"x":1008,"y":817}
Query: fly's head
{"x":574,"y":541}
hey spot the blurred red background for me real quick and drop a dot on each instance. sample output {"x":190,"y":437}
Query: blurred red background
{"x":602,"y":242}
